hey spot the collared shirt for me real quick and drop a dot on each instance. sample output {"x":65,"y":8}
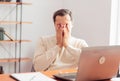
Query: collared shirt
{"x":49,"y":56}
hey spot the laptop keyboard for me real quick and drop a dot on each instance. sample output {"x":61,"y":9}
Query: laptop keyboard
{"x":67,"y":76}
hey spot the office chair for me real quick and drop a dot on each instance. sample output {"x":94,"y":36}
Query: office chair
{"x":32,"y":69}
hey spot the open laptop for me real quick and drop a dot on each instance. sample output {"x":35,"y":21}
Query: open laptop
{"x":95,"y":63}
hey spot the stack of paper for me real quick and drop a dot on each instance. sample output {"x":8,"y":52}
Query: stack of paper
{"x":34,"y":76}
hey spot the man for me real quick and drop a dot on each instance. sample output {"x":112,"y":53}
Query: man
{"x":60,"y":51}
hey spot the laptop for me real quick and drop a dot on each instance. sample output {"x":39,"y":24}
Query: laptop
{"x":95,"y":63}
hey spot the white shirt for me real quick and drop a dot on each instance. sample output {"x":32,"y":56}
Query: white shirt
{"x":49,"y":56}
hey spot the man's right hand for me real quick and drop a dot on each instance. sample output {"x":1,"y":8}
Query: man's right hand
{"x":59,"y":36}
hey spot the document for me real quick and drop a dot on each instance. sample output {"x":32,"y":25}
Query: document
{"x":115,"y":79}
{"x":33,"y":76}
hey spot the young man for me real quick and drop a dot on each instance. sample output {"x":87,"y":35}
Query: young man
{"x":59,"y":51}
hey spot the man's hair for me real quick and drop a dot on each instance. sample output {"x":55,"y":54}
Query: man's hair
{"x":62,"y":12}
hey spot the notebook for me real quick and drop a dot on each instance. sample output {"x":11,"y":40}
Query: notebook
{"x":33,"y":76}
{"x":95,"y":63}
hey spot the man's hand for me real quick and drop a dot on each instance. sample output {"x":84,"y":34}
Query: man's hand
{"x":63,"y":35}
{"x":59,"y":36}
{"x":66,"y":36}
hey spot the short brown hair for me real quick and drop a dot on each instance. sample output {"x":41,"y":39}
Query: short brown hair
{"x":62,"y":12}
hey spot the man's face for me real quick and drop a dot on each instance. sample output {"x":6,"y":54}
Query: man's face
{"x":63,"y":22}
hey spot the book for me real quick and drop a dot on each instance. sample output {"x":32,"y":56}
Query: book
{"x":8,"y":35}
{"x":32,"y":76}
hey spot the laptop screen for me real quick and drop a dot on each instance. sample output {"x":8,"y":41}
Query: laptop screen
{"x":98,"y":63}
{"x":95,"y":63}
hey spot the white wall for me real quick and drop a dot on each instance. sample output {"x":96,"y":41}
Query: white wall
{"x":91,"y":22}
{"x":40,"y":12}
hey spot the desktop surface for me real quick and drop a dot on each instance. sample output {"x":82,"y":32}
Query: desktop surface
{"x":6,"y":77}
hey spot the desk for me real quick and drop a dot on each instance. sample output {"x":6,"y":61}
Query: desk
{"x":6,"y":77}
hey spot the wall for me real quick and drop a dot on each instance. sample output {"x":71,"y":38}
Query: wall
{"x":40,"y":13}
{"x":7,"y":13}
{"x":91,"y":22}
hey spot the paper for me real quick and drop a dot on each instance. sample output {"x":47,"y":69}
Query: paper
{"x":34,"y":76}
{"x":115,"y":79}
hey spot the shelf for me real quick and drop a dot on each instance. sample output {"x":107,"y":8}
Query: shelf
{"x":17,"y":21}
{"x":14,"y":41}
{"x":15,"y":59}
{"x":14,"y":22}
{"x":15,"y":3}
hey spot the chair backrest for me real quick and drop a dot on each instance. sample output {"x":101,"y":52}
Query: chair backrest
{"x":32,"y":69}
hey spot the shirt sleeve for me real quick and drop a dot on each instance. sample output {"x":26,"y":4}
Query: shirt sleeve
{"x":44,"y":57}
{"x":75,"y":51}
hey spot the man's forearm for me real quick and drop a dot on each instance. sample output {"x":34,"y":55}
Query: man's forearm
{"x":45,"y":59}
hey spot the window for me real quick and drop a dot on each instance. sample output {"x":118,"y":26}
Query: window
{"x":115,"y":23}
